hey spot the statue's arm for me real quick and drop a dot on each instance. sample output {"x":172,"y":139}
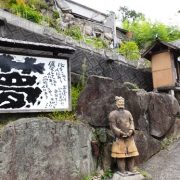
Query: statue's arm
{"x":112,"y":122}
{"x":132,"y":128}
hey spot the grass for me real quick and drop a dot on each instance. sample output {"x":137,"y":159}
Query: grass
{"x":103,"y":175}
{"x":38,"y":4}
{"x":96,"y":42}
{"x":131,"y":85}
{"x":75,"y":32}
{"x":87,"y":178}
{"x":26,"y":12}
{"x":31,"y":10}
{"x":5,"y":122}
{"x":167,"y":141}
{"x":144,"y":173}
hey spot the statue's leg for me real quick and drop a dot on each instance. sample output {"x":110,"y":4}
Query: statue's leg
{"x":130,"y":164}
{"x":121,"y":164}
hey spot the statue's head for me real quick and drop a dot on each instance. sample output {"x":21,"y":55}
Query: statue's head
{"x":119,"y":101}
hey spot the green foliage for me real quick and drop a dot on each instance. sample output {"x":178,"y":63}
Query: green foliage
{"x":55,"y":15}
{"x":51,"y":22}
{"x":62,"y":115}
{"x":26,"y":12}
{"x":144,"y":173}
{"x":131,"y":85}
{"x":145,"y":32}
{"x":3,"y":123}
{"x":130,"y":50}
{"x":75,"y":91}
{"x":37,"y":4}
{"x":128,"y":14}
{"x":167,"y":141}
{"x":6,"y":3}
{"x":96,"y":42}
{"x":30,"y":9}
{"x":74,"y":32}
{"x":87,"y":178}
{"x":107,"y":174}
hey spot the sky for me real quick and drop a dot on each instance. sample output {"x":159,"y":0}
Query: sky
{"x":156,"y":10}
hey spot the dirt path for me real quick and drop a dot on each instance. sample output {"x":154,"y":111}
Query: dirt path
{"x":166,"y":164}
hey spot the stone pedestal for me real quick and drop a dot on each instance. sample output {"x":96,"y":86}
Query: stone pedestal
{"x":129,"y":176}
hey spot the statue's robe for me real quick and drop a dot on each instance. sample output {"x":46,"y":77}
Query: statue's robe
{"x":122,"y":121}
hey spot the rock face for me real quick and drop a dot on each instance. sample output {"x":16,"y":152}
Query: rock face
{"x":44,"y":150}
{"x":152,"y":112}
{"x":161,"y":111}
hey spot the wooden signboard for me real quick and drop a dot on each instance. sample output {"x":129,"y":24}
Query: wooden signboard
{"x":33,"y":84}
{"x":163,"y":70}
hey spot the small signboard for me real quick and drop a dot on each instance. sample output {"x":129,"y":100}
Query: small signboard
{"x":33,"y":84}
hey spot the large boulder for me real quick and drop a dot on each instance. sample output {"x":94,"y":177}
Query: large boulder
{"x":152,"y":112}
{"x":162,"y":110}
{"x":147,"y":146}
{"x":38,"y":148}
{"x":96,"y":101}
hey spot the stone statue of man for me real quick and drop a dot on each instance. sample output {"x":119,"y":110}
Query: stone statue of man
{"x":124,"y":148}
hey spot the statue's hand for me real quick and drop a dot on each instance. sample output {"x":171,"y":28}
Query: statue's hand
{"x":124,"y":135}
{"x":130,"y":133}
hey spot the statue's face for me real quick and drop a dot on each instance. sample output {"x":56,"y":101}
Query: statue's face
{"x":120,"y":104}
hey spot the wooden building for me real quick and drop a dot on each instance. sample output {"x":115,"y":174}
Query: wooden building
{"x":165,"y":64}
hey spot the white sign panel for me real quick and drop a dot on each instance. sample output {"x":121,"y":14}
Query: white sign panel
{"x":33,"y":84}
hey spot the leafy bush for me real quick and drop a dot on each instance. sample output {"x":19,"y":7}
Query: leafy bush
{"x":130,"y":50}
{"x":26,"y":12}
{"x":145,"y":32}
{"x":74,"y":32}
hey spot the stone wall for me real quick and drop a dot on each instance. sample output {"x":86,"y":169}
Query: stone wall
{"x":98,"y":62}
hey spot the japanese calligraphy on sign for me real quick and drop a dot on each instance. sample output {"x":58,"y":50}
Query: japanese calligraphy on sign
{"x":33,"y":84}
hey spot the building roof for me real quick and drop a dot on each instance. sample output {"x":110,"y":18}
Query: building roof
{"x":176,"y":43}
{"x":159,"y":45}
{"x":84,"y":11}
{"x":35,"y":46}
